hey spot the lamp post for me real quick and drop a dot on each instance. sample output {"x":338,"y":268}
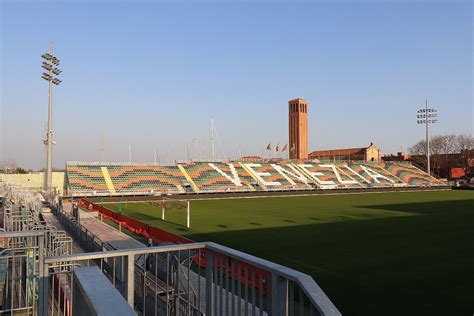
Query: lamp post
{"x":50,"y":63}
{"x":427,"y":116}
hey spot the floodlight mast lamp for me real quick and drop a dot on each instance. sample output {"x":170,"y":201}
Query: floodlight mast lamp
{"x":50,"y":64}
{"x":427,"y":116}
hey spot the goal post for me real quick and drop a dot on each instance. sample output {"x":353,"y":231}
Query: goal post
{"x":188,"y":215}
{"x":172,"y":210}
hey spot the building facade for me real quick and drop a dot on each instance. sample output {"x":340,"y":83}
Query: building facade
{"x":298,"y":128}
{"x":370,"y":153}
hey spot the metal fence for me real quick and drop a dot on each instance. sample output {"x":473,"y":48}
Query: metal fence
{"x":82,"y":236}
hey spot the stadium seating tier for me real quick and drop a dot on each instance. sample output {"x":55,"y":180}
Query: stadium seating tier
{"x":86,"y":179}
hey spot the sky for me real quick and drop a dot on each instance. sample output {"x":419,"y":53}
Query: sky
{"x":154,"y":73}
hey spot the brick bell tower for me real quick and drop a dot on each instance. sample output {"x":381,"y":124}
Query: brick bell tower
{"x":298,"y":129}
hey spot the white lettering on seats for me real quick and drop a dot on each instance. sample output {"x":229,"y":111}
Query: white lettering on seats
{"x":338,"y":176}
{"x":260,"y":175}
{"x":235,"y":179}
{"x":375,"y":175}
{"x":315,"y":175}
{"x":288,"y":174}
{"x":355,"y":173}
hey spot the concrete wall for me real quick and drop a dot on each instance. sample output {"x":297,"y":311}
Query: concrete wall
{"x":33,"y":180}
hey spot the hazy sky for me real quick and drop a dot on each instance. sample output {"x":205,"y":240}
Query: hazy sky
{"x":153,"y":73}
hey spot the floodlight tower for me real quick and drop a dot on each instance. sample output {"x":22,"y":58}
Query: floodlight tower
{"x":427,"y":116}
{"x":50,"y":63}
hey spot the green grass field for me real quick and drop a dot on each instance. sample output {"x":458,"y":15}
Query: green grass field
{"x":407,"y":253}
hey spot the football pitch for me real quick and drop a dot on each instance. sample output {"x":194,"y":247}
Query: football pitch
{"x":404,"y":253}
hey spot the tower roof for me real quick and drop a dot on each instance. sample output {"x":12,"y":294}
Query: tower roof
{"x":298,"y":100}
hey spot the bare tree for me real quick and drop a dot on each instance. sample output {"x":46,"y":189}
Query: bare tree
{"x":465,"y":145}
{"x":449,"y":144}
{"x":442,"y":148}
{"x":436,"y":144}
{"x":418,"y":149}
{"x":464,"y":142}
{"x":448,"y":147}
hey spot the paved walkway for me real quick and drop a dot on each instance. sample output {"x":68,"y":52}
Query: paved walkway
{"x":52,"y":220}
{"x":103,"y":231}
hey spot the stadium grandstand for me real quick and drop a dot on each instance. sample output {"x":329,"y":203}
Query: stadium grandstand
{"x":104,"y":179}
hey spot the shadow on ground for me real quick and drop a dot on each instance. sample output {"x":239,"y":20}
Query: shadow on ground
{"x":406,"y":265}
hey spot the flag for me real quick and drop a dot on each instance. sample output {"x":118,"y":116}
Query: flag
{"x":277,"y":148}
{"x":285,"y":148}
{"x":269,"y":147}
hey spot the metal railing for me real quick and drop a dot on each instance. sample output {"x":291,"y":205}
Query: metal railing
{"x":166,"y":280}
{"x":20,"y":271}
{"x":82,"y":236}
{"x":230,"y":283}
{"x":36,"y":275}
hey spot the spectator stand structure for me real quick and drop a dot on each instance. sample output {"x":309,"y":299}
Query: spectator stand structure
{"x":113,"y":179}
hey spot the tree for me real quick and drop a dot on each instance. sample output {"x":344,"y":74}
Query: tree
{"x":441,"y":149}
{"x":465,"y":145}
{"x":449,"y":144}
{"x":8,"y":166}
{"x":436,"y":144}
{"x":436,"y":148}
{"x":21,"y":170}
{"x":418,"y":149}
{"x":464,"y":142}
{"x":448,"y":147}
